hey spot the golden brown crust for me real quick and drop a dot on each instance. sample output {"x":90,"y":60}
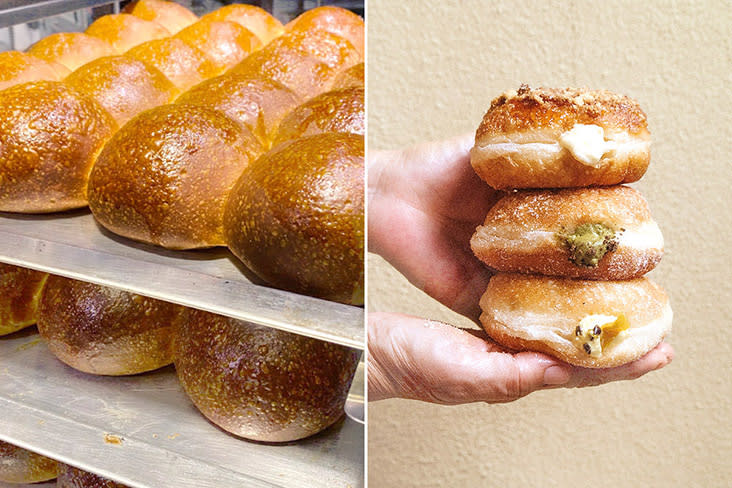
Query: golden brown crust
{"x":353,"y":77}
{"x":333,"y":111}
{"x":174,"y":17}
{"x":70,"y":477}
{"x":123,"y":85}
{"x":225,"y":43}
{"x":336,"y":20}
{"x":183,"y":64}
{"x":306,"y":62}
{"x":50,"y":135}
{"x":261,"y":383}
{"x":72,"y":49}
{"x":20,"y":290}
{"x":18,"y":465}
{"x":17,"y":67}
{"x":539,"y":313}
{"x":165,"y":176}
{"x":295,"y":217}
{"x":259,"y":21}
{"x":125,"y":31}
{"x":101,"y":330}
{"x":257,"y":103}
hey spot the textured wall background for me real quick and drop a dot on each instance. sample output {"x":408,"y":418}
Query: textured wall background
{"x":433,"y":69}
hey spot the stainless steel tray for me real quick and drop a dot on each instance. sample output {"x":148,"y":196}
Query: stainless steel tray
{"x":74,"y":245}
{"x":144,"y":432}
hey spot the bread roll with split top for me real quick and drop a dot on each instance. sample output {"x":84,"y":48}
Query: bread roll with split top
{"x":336,"y":20}
{"x":353,"y":77}
{"x":20,"y":291}
{"x":165,"y":176}
{"x":18,"y":465}
{"x":257,"y":20}
{"x":71,"y":49}
{"x":125,"y":31}
{"x":333,"y":111}
{"x":262,"y":383}
{"x":295,"y":217}
{"x":17,"y":68}
{"x":260,"y":104}
{"x":173,"y":16}
{"x":70,"y":477}
{"x":105,"y":331}
{"x":225,"y":43}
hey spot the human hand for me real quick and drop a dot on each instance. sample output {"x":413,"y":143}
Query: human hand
{"x":431,"y":361}
{"x":424,"y":205}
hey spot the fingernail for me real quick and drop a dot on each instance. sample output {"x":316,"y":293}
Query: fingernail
{"x":556,"y":375}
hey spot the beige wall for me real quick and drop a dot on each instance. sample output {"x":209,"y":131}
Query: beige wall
{"x":433,"y":69}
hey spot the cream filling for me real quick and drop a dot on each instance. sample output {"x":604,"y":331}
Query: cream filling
{"x":645,"y":236}
{"x":587,"y":144}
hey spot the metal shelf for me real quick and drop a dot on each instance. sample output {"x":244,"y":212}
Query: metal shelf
{"x":74,"y":245}
{"x":16,"y":12}
{"x":143,"y":431}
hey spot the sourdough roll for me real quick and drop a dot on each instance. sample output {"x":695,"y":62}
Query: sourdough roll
{"x":336,"y":20}
{"x":256,"y":19}
{"x":17,"y":68}
{"x":18,"y":465}
{"x":258,"y":103}
{"x":353,"y":77}
{"x":105,"y":331}
{"x":50,"y":135}
{"x":183,"y":64}
{"x":123,"y":85}
{"x":174,"y":17}
{"x":125,"y":31}
{"x":262,"y":383}
{"x":71,"y":49}
{"x":20,"y":291}
{"x":333,"y":111}
{"x":165,"y":176}
{"x":295,"y":217}
{"x":71,"y":477}
{"x":594,"y":324}
{"x":306,"y":62}
{"x":225,"y":43}
{"x":551,"y":138}
{"x":602,"y":233}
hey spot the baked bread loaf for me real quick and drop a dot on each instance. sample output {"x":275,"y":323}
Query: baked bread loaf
{"x":336,"y":20}
{"x":602,"y":233}
{"x":262,"y":383}
{"x":259,"y":104}
{"x":71,"y":477}
{"x":105,"y":331}
{"x":593,"y":324}
{"x":551,"y":138}
{"x":165,"y":176}
{"x":50,"y":135}
{"x":225,"y":43}
{"x":353,"y":77}
{"x":333,"y":111}
{"x":17,"y":68}
{"x":305,"y":62}
{"x":71,"y":49}
{"x":20,"y":291}
{"x":125,"y":31}
{"x":173,"y":16}
{"x":123,"y":86}
{"x":183,"y":64}
{"x":257,"y":20}
{"x":295,"y":217}
{"x":18,"y":465}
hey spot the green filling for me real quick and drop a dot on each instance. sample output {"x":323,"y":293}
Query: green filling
{"x":588,"y":243}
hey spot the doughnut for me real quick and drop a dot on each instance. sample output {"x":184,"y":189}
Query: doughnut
{"x":593,"y":324}
{"x":604,"y":233}
{"x":20,"y":291}
{"x":560,"y":138}
{"x":71,"y":477}
{"x":18,"y":465}
{"x":71,"y":49}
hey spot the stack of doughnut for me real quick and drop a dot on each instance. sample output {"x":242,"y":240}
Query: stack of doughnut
{"x":228,"y":130}
{"x":568,"y":241}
